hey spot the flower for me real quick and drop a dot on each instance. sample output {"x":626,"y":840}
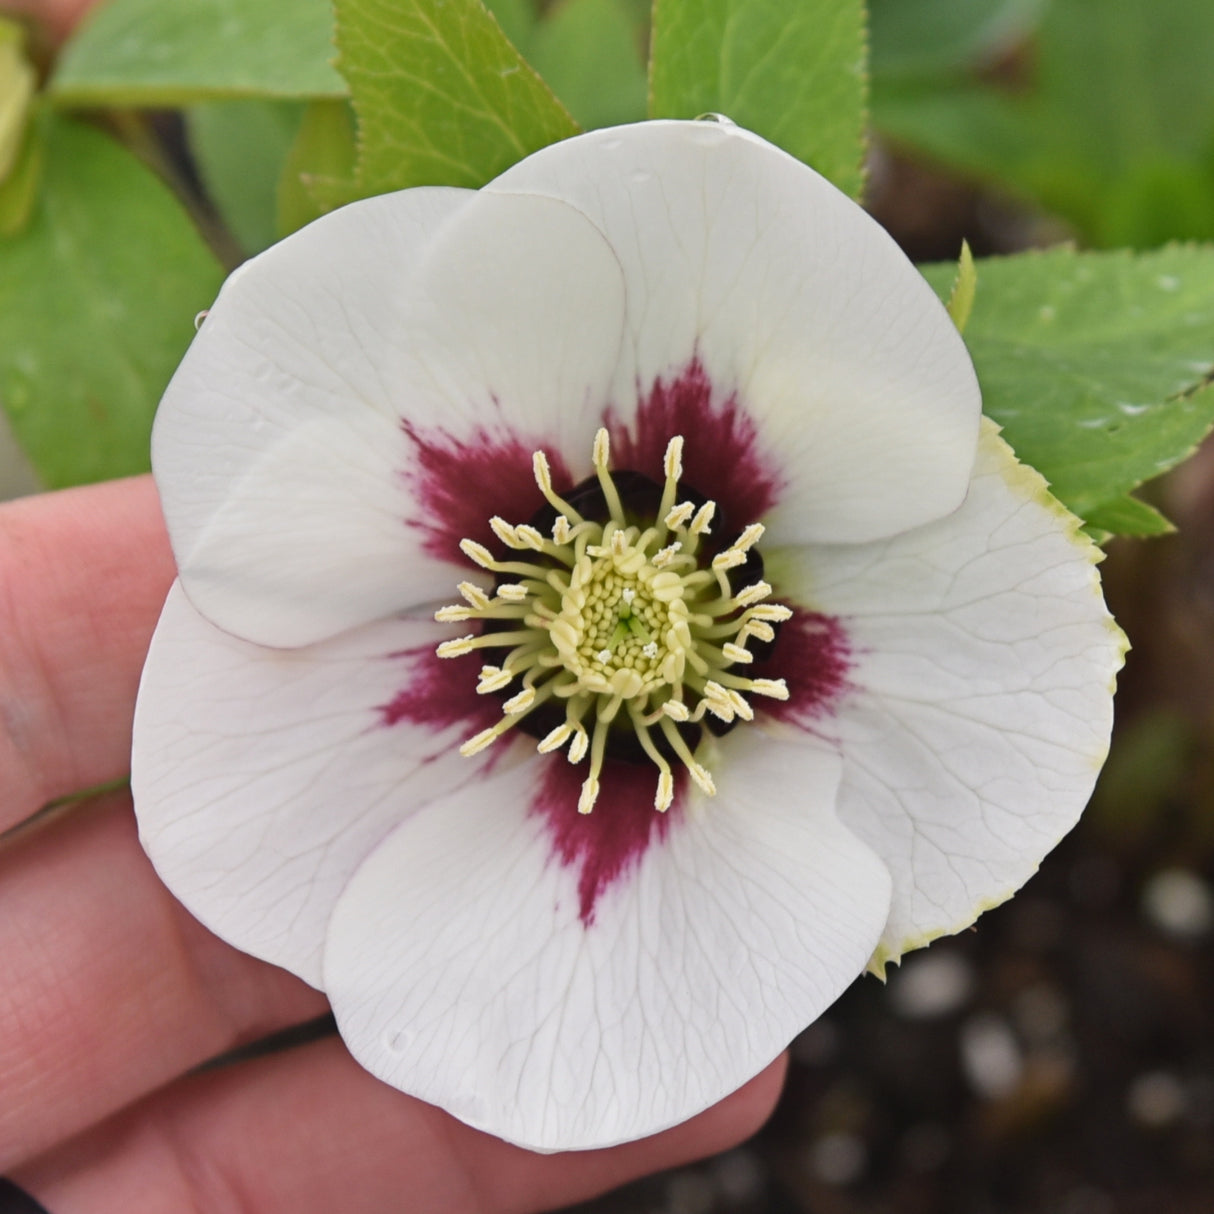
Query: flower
{"x":831,"y":716}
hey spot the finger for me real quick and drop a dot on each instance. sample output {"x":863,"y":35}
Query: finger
{"x":109,"y":989}
{"x":309,"y":1132}
{"x":83,"y":575}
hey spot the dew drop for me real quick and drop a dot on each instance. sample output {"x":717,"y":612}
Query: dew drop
{"x":397,"y":1041}
{"x":719,"y":119}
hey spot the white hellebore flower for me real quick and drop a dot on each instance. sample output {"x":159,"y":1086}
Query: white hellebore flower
{"x":580,"y":402}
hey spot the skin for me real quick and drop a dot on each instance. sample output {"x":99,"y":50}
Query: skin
{"x":111,"y":994}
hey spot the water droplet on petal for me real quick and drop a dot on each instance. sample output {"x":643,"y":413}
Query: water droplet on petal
{"x":719,"y":119}
{"x":397,"y":1041}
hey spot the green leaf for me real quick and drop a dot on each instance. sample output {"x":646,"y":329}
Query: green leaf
{"x":518,"y":21}
{"x":589,"y":53}
{"x":19,"y":190}
{"x":792,"y":71}
{"x":240,"y":148}
{"x":17,"y":84}
{"x":965,"y":286}
{"x":1129,"y":516}
{"x":1112,"y":129}
{"x":917,"y":39}
{"x":152,"y":53}
{"x":97,"y":300}
{"x":1097,"y":365}
{"x":441,"y":95}
{"x":320,"y":163}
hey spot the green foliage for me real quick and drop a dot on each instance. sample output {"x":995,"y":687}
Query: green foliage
{"x":97,"y":300}
{"x":793,"y":71}
{"x":239,"y":148}
{"x":1098,"y":366}
{"x":1113,"y":128}
{"x":152,"y":53}
{"x":925,"y":39}
{"x":16,"y":92}
{"x":965,"y":287}
{"x":589,"y":53}
{"x":19,"y":190}
{"x":319,"y":170}
{"x":441,"y":95}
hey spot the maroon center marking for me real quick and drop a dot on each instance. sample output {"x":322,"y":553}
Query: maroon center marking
{"x":439,"y":693}
{"x":813,"y":655}
{"x":460,"y":484}
{"x":606,"y":845}
{"x":721,"y":456}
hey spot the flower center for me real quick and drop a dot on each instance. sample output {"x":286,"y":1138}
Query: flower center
{"x":625,"y":624}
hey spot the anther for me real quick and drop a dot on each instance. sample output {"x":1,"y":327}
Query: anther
{"x":731,"y":558}
{"x":513,"y":592}
{"x":589,"y":795}
{"x":703,"y":778}
{"x":529,"y":537}
{"x":699,"y":524}
{"x":555,"y":739}
{"x":519,"y":703}
{"x":735,"y":653}
{"x":453,"y":615}
{"x":749,"y":595}
{"x":457,"y":647}
{"x":758,"y":630}
{"x":474,"y":595}
{"x":543,"y":474}
{"x":493,"y":678}
{"x":579,"y":745}
{"x":504,"y":532}
{"x":478,"y":553}
{"x":679,"y":514}
{"x":776,"y":613}
{"x":749,"y":538}
{"x":775,"y":689}
{"x":664,"y":797}
{"x":602,"y":450}
{"x":673,"y":463}
{"x":478,"y":742}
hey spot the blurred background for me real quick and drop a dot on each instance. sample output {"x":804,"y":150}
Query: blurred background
{"x":1059,"y":1058}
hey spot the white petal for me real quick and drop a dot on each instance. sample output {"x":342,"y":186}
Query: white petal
{"x":461,"y":969}
{"x":981,"y":702}
{"x":860,"y":388}
{"x":263,"y":777}
{"x":292,"y":446}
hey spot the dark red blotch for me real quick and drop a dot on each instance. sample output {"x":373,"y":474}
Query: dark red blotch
{"x":606,"y":844}
{"x":721,"y":457}
{"x":460,"y":484}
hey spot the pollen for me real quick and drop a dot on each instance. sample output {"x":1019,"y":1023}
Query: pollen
{"x":625,"y":623}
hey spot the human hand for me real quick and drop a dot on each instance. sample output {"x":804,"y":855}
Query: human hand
{"x":111,"y":994}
